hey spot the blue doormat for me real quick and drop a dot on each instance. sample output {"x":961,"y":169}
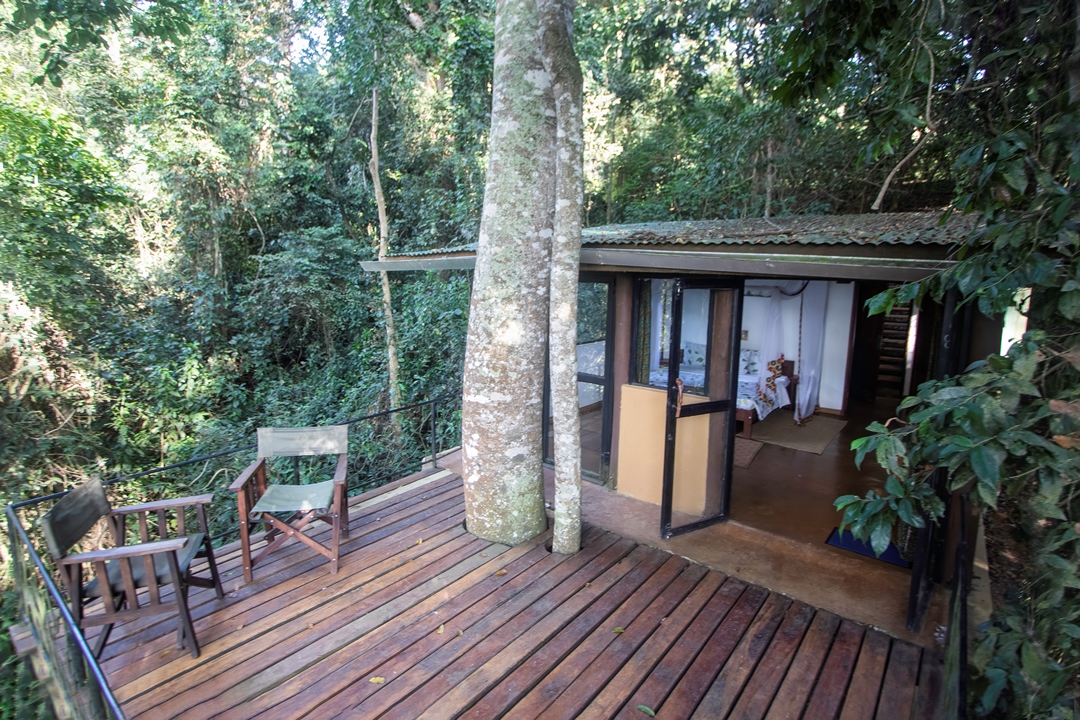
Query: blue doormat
{"x":847,"y":541}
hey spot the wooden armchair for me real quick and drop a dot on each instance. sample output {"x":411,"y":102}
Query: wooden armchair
{"x":121,"y":574}
{"x":286,"y":510}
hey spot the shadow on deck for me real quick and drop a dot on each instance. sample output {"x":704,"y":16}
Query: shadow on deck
{"x":425,"y":620}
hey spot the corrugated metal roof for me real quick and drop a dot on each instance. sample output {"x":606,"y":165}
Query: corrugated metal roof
{"x":921,"y":228}
{"x":913,"y":229}
{"x":471,"y":247}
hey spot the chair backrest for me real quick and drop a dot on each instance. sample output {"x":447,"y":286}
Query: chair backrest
{"x":330,"y":440}
{"x":73,"y":515}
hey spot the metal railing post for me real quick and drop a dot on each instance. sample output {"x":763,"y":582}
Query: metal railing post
{"x":434,"y":431}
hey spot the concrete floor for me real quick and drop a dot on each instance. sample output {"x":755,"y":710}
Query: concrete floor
{"x":782,"y":514}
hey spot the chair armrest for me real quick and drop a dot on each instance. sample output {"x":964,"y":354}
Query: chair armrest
{"x":125,"y":551}
{"x":342,"y":469}
{"x":164,"y":504}
{"x":246,"y":476}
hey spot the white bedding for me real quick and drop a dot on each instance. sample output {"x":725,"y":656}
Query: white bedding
{"x":748,"y":396}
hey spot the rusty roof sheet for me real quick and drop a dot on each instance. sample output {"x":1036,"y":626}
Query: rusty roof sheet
{"x":915,"y":228}
{"x":912,"y":228}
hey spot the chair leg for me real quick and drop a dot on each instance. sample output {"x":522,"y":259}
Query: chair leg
{"x":185,"y":632}
{"x":245,"y":547}
{"x":209,"y":549}
{"x":103,"y":636}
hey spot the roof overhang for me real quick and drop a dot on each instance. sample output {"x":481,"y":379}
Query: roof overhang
{"x":838,"y":267}
{"x":432,"y":262}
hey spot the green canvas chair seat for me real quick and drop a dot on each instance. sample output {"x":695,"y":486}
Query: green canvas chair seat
{"x":266,"y":504}
{"x":184,"y":558}
{"x":292,"y":498}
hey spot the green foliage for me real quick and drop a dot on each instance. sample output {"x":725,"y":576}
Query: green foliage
{"x":82,"y":24}
{"x":1009,"y":424}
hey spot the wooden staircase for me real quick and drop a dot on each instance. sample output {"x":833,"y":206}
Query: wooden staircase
{"x":893,"y":353}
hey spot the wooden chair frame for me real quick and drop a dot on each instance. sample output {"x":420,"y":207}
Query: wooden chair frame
{"x":252,"y":485}
{"x":136,"y":565}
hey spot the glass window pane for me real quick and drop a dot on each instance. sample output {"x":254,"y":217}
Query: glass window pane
{"x":592,"y":327}
{"x":654,"y":336}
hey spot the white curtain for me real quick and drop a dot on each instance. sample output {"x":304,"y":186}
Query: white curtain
{"x":812,"y":348}
{"x":772,"y":343}
{"x":657,"y":301}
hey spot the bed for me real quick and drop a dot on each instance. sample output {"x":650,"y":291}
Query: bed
{"x":751,"y":405}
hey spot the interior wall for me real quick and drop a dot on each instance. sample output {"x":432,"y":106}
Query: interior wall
{"x":834,"y":364}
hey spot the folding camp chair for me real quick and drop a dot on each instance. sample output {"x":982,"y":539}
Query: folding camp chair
{"x":121,"y":574}
{"x":286,"y":510}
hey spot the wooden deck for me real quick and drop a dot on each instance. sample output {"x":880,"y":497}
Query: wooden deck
{"x":424,"y":620}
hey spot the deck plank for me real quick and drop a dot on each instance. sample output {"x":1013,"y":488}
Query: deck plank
{"x":511,"y":674}
{"x":612,"y":696}
{"x":832,"y":684}
{"x":258,"y":645}
{"x":487,"y":663}
{"x":437,"y":673}
{"x":593,"y":663}
{"x":727,"y":687}
{"x":898,"y":687}
{"x":714,"y":656}
{"x":865,"y":688}
{"x":761,"y":688}
{"x":668,"y":672}
{"x":526,"y":633}
{"x":293,"y":559}
{"x":928,"y":692}
{"x":398,"y":646}
{"x":294,"y":571}
{"x":802,"y":676}
{"x":579,"y":644}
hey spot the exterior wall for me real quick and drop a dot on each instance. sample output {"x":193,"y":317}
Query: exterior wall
{"x":642,"y":414}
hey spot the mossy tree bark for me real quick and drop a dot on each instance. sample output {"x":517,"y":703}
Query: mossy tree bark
{"x":557,"y":43}
{"x":502,"y":407}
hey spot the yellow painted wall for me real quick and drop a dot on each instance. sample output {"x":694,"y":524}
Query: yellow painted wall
{"x":641,"y":449}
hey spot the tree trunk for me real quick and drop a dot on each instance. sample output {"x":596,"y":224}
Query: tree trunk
{"x":502,"y":407}
{"x":384,"y":278}
{"x":557,"y":17}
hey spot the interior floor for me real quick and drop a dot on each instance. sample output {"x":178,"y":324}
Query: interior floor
{"x":791,"y":492}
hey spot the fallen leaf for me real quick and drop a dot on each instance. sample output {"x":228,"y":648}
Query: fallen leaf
{"x":588,"y":584}
{"x":459,"y":633}
{"x":647,"y":710}
{"x":618,"y":630}
{"x":1069,"y":442}
{"x":419,"y":540}
{"x":377,"y":680}
{"x":441,"y":628}
{"x":240,"y":626}
{"x":1066,"y":408}
{"x":311,"y":626}
{"x":500,"y":573}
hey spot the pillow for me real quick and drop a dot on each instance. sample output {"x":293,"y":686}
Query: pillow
{"x":694,"y":354}
{"x":748,"y":362}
